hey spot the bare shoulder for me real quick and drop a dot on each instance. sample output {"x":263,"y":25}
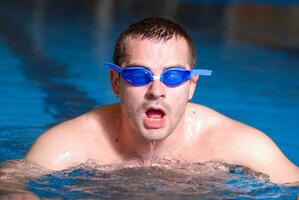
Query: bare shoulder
{"x":206,"y":116}
{"x":74,"y":141}
{"x":237,"y":143}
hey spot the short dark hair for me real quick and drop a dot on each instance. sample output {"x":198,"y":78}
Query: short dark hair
{"x":155,"y":28}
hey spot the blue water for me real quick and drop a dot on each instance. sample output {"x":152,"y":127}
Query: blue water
{"x":51,"y":69}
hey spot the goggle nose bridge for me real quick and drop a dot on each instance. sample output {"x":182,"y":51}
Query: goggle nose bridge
{"x":158,"y":77}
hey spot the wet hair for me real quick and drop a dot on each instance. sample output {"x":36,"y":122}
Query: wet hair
{"x":155,"y":28}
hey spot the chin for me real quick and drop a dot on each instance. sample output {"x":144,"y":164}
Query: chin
{"x":154,"y":134}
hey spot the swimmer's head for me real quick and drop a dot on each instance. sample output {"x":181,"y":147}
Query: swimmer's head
{"x":153,"y":111}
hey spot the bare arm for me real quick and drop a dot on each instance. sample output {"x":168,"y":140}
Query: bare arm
{"x":76,"y":141}
{"x":58,"y":148}
{"x":236,"y":143}
{"x":256,"y":150}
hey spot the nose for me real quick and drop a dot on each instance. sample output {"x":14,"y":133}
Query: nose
{"x":156,"y":90}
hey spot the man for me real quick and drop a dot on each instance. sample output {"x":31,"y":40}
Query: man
{"x":151,"y":77}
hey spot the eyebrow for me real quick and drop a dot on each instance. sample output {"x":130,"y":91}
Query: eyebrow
{"x":176,"y":66}
{"x":136,"y":65}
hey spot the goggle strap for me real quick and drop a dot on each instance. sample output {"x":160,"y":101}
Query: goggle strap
{"x":113,"y":66}
{"x":202,"y":72}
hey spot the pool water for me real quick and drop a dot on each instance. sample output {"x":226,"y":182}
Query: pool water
{"x":182,"y":181}
{"x":160,"y":179}
{"x":51,"y":69}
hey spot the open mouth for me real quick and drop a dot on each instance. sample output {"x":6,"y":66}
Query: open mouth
{"x":155,"y":113}
{"x":154,"y":118}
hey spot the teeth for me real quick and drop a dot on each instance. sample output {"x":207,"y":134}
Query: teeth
{"x":154,"y":119}
{"x":154,"y":114}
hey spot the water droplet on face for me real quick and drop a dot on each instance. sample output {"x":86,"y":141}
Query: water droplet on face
{"x":152,"y":145}
{"x":149,"y":159}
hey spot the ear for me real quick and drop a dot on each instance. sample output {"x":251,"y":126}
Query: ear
{"x":114,"y":78}
{"x":193,"y":83}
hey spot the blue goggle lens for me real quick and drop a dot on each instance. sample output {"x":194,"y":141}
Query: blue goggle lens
{"x":175,"y":77}
{"x":136,"y":76}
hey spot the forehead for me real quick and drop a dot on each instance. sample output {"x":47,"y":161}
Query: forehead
{"x":155,"y":53}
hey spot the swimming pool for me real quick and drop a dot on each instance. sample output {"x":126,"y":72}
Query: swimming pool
{"x":51,"y":66}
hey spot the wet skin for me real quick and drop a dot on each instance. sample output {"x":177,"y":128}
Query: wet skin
{"x":123,"y":132}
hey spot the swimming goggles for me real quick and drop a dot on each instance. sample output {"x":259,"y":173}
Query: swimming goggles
{"x":171,"y":77}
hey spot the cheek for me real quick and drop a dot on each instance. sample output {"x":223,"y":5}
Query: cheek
{"x":127,"y":104}
{"x":130,"y":97}
{"x":179,"y":94}
{"x":180,"y":99}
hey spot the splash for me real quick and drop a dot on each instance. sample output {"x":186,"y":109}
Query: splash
{"x":163,"y":179}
